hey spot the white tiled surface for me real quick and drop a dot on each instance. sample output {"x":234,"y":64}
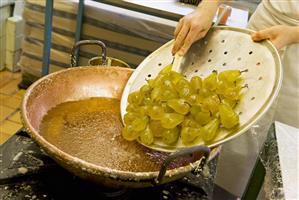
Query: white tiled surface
{"x":4,"y":13}
{"x":6,"y":2}
{"x":2,"y":52}
{"x":2,"y":42}
{"x":14,"y":25}
{"x":288,"y":150}
{"x":13,"y":42}
{"x":14,"y":33}
{"x":2,"y":59}
{"x":12,"y":57}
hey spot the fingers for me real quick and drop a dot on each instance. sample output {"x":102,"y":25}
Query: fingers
{"x":193,"y":35}
{"x":265,"y":34}
{"x":278,"y":43}
{"x":178,"y":28}
{"x":261,"y":35}
{"x":180,"y":38}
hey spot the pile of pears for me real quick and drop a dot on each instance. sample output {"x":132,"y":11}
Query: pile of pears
{"x":170,"y":107}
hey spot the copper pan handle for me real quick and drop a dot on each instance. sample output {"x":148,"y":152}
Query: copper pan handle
{"x":87,"y":42}
{"x":188,"y":151}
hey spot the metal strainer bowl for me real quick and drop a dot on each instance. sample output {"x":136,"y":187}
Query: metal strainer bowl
{"x":222,"y":49}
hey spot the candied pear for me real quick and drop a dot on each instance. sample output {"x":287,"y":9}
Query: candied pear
{"x":155,"y":112}
{"x":140,"y":123}
{"x":209,"y":131}
{"x":179,"y":105}
{"x":156,"y":128}
{"x":228,"y":117}
{"x":229,"y":76}
{"x":129,"y":134}
{"x":170,"y":136}
{"x":196,"y":83}
{"x":189,"y":134}
{"x":147,"y":137}
{"x":210,"y":82}
{"x":171,"y":120}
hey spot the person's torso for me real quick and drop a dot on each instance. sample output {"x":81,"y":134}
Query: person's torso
{"x":288,"y":8}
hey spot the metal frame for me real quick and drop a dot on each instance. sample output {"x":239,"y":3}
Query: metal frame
{"x":47,"y":37}
{"x":48,"y":32}
{"x":79,"y":20}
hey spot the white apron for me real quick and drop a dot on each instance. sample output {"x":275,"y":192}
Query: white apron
{"x":238,"y":157}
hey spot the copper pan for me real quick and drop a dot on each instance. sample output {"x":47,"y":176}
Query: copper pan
{"x":81,"y":83}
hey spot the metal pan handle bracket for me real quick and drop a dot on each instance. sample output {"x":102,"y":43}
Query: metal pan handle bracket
{"x":87,"y":42}
{"x":188,"y":151}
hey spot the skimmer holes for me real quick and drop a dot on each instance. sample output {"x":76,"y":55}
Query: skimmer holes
{"x":224,"y":64}
{"x":225,"y":52}
{"x":258,"y":64}
{"x":149,"y":75}
{"x":252,"y":98}
{"x":239,"y":58}
{"x":210,"y":51}
{"x":209,"y":60}
{"x":196,"y":70}
{"x":245,"y":86}
{"x":160,"y":64}
{"x":222,"y":41}
{"x":250,"y":52}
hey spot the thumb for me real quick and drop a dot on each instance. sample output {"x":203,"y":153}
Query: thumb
{"x":261,"y":35}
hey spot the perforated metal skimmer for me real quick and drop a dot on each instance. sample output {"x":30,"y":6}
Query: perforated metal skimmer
{"x":223,"y":48}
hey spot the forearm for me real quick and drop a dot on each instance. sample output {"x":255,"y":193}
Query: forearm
{"x":209,"y":7}
{"x":295,"y":34}
{"x":209,"y":4}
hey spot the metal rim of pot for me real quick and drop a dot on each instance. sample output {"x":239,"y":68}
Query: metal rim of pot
{"x":109,"y":60}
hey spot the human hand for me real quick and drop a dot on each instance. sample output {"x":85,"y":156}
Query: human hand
{"x":193,"y":27}
{"x":280,"y":35}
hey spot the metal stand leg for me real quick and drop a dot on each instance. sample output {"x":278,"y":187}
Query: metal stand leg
{"x":47,"y":37}
{"x":256,"y":181}
{"x":79,"y":19}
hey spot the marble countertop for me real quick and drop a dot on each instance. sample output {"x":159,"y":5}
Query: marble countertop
{"x":288,"y":150}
